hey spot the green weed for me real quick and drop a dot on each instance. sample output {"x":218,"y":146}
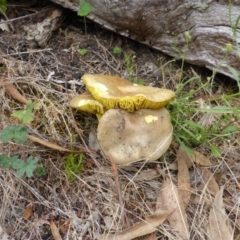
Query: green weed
{"x":83,"y":52}
{"x":73,"y":165}
{"x":84,"y":9}
{"x":185,"y":115}
{"x":18,"y":134}
{"x":3,"y":6}
{"x":183,"y":54}
{"x":117,"y":50}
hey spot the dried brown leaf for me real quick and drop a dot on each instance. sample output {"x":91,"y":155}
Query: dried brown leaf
{"x":219,"y":228}
{"x":201,"y":160}
{"x":196,"y":157}
{"x":146,"y":175}
{"x":209,"y":180}
{"x":142,"y":228}
{"x":55,"y":232}
{"x":170,"y":199}
{"x":48,"y":144}
{"x":183,"y":178}
{"x":14,"y":93}
{"x":28,"y":212}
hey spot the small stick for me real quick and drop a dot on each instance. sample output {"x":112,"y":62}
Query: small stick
{"x":25,"y":16}
{"x":119,"y":193}
{"x":27,"y":52}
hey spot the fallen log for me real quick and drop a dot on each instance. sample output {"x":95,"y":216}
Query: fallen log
{"x":212,"y":26}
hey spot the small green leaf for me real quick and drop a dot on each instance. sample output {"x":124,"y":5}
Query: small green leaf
{"x":15,"y":133}
{"x":229,"y":129}
{"x":117,"y":50}
{"x":32,"y":106}
{"x":26,"y":115}
{"x":85,"y":8}
{"x":18,"y":164}
{"x":220,"y":110}
{"x":215,"y":151}
{"x":20,"y":173}
{"x":27,"y":167}
{"x":5,"y":161}
{"x":83,"y":51}
{"x":195,"y":125}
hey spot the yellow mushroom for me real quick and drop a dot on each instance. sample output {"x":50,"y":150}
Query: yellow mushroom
{"x":116,"y":92}
{"x":86,"y":102}
{"x":133,"y":136}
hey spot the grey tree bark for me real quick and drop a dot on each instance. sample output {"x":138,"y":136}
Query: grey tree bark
{"x":163,"y":24}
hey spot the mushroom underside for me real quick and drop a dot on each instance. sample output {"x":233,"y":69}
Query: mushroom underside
{"x":116,"y":92}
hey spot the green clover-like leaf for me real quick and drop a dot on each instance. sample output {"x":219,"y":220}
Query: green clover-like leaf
{"x":17,"y":133}
{"x":6,"y":161}
{"x":26,"y":115}
{"x":27,"y":167}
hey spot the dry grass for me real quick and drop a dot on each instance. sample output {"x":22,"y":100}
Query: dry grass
{"x":88,"y":206}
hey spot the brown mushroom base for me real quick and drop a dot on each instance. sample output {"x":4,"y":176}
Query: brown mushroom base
{"x":133,"y":136}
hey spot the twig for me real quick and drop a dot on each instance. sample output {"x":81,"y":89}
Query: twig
{"x":119,"y":193}
{"x":26,"y":16}
{"x":27,"y":52}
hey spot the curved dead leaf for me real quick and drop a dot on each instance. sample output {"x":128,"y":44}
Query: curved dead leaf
{"x":48,"y":144}
{"x":142,"y":228}
{"x":170,"y":199}
{"x":28,"y":212}
{"x":14,"y":93}
{"x":209,"y":181}
{"x":196,"y":157}
{"x":183,"y":178}
{"x":201,"y":160}
{"x":219,"y":227}
{"x":56,"y":147}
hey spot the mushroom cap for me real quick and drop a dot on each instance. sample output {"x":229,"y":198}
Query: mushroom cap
{"x":116,"y":92}
{"x":87,"y":103}
{"x":133,"y":136}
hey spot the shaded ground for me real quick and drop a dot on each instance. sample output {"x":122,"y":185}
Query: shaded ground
{"x":86,"y":204}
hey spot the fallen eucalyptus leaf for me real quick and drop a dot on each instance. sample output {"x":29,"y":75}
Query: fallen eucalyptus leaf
{"x":142,"y":228}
